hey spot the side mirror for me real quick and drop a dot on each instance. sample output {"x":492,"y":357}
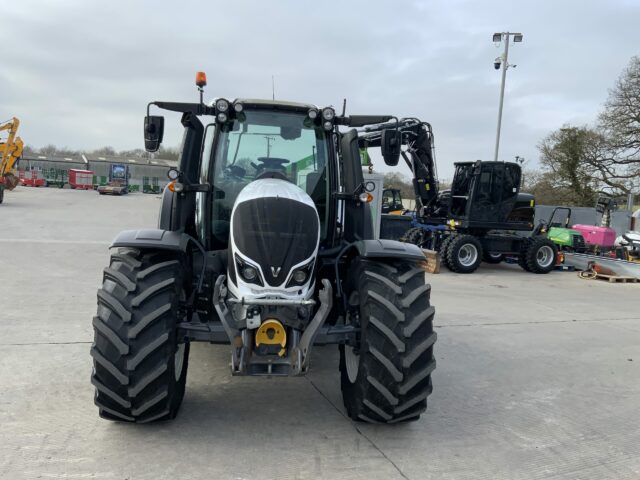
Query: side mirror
{"x":153,"y":132}
{"x":390,"y":144}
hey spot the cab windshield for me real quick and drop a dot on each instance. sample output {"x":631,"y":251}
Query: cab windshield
{"x":261,"y":143}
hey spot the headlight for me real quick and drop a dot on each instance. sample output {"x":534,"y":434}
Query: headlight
{"x":222,"y":105}
{"x":328,"y":125}
{"x":328,"y":113}
{"x":247,"y":272}
{"x":222,"y":117}
{"x":313,"y":114}
{"x":301,"y":275}
{"x":238,"y":107}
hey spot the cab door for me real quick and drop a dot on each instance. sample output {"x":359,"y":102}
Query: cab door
{"x":487,"y":194}
{"x":496,"y":191}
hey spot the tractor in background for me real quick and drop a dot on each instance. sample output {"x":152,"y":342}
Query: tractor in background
{"x":561,"y":233}
{"x":392,"y":202}
{"x":118,"y":180}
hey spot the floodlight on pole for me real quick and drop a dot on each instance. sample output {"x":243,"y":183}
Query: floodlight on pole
{"x":503,"y":61}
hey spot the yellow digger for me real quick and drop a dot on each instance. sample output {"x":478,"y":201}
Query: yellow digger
{"x":10,"y":153}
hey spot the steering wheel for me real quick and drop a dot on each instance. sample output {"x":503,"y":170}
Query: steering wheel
{"x":272,"y":164}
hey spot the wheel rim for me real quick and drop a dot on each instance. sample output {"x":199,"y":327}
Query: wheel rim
{"x":544,"y":257}
{"x":468,"y":255}
{"x":178,"y":361}
{"x":352,"y":363}
{"x":495,"y":256}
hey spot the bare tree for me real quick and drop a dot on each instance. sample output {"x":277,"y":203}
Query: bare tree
{"x":620,"y":124}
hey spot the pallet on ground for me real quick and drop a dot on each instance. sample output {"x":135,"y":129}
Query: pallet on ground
{"x":609,"y":278}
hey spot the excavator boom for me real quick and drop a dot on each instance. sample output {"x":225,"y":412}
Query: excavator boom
{"x":10,"y":153}
{"x":417,"y":138}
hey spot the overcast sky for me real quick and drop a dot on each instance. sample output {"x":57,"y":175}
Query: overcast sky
{"x":80,"y":73}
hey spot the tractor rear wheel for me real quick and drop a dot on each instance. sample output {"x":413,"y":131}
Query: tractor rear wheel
{"x":139,"y":367}
{"x":540,"y":255}
{"x":387,"y":377}
{"x":464,"y":254}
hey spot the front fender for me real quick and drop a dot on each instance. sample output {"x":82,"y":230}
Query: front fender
{"x":153,"y":238}
{"x":388,"y":249}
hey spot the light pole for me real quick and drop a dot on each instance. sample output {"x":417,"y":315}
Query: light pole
{"x":503,"y":61}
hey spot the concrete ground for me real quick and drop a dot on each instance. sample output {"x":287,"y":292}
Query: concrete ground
{"x":538,"y":376}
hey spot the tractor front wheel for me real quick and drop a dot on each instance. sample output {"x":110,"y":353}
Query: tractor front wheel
{"x":386,"y":378}
{"x":139,"y":366}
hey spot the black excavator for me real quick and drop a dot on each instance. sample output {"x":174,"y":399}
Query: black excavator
{"x":481,"y":217}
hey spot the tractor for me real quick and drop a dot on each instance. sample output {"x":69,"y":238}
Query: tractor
{"x":264,"y":243}
{"x":392,"y":202}
{"x":118,"y":180}
{"x":484,"y":216}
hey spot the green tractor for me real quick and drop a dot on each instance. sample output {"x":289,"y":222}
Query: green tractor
{"x":562,"y":235}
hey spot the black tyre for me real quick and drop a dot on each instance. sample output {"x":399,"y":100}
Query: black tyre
{"x":387,"y":378}
{"x":540,"y":255}
{"x":1,"y":194}
{"x":139,"y":368}
{"x":417,"y":236}
{"x":464,"y":254}
{"x":442,"y":251}
{"x":493,"y":258}
{"x":522,"y":258}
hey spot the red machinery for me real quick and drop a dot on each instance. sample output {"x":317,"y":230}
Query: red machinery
{"x":81,"y":179}
{"x":31,"y":178}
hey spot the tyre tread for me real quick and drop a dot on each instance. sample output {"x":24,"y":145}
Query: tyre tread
{"x":396,"y":351}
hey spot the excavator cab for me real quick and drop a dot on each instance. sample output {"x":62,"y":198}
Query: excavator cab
{"x":486,"y":195}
